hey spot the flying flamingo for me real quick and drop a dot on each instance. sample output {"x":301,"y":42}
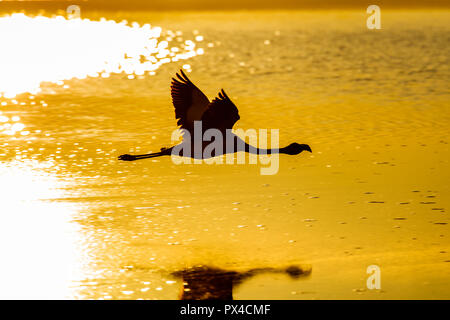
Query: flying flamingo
{"x":191,"y":105}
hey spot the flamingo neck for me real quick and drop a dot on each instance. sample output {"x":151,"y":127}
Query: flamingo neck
{"x":255,"y":150}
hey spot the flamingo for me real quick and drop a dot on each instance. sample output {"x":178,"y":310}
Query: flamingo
{"x":211,"y":283}
{"x":192,"y":105}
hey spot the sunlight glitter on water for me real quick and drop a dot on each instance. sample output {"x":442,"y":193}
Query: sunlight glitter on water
{"x":42,"y":49}
{"x":40,"y":255}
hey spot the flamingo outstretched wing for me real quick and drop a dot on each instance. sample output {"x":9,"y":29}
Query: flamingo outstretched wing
{"x":189,"y":102}
{"x":221,"y":113}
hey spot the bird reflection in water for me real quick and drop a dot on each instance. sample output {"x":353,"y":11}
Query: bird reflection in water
{"x":209,"y":283}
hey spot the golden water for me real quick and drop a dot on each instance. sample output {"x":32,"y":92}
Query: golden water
{"x":373,"y":105}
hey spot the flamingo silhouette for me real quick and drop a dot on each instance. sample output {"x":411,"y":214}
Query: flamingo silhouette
{"x":210,"y":283}
{"x":192,"y":105}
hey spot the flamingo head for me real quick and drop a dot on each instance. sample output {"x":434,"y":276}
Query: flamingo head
{"x":296,"y":148}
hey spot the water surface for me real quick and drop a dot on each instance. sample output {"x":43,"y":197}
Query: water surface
{"x":373,"y":105}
